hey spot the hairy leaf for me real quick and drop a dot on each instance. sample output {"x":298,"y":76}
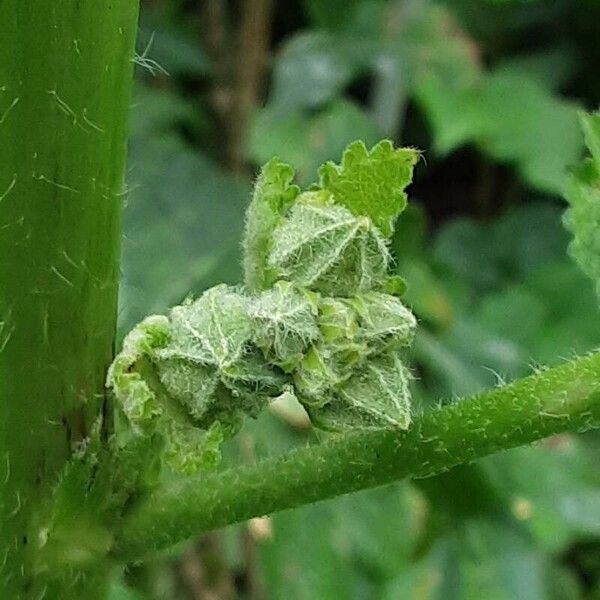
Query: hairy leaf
{"x":384,"y":320}
{"x":137,"y":400}
{"x":371,"y":183}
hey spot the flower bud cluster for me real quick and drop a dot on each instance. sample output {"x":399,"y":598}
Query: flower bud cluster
{"x":315,"y":318}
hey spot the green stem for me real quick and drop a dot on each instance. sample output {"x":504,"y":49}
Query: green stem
{"x":565,"y":398}
{"x":65,"y":77}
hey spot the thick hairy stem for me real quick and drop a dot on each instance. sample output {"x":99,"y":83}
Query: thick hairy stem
{"x":564,"y":398}
{"x":65,"y":76}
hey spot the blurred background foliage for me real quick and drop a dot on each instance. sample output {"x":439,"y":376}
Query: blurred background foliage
{"x":490,"y":91}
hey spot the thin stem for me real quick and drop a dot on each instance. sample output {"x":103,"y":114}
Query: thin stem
{"x":564,"y":398}
{"x":239,"y":55}
{"x":251,"y":62}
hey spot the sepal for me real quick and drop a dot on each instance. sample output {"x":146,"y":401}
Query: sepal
{"x":273,"y":194}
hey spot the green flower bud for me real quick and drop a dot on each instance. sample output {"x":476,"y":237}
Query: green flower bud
{"x":189,"y":449}
{"x":273,"y":194}
{"x":209,"y":366}
{"x":318,"y":373}
{"x":285,"y":324}
{"x":212,"y":330}
{"x":384,"y":321}
{"x":193,"y":385}
{"x":375,"y":397}
{"x":192,"y":376}
{"x":252,"y":383}
{"x":332,"y":359}
{"x":327,"y":249}
{"x":337,"y":321}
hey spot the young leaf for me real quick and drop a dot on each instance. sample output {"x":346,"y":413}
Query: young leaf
{"x":371,"y":183}
{"x":137,"y":400}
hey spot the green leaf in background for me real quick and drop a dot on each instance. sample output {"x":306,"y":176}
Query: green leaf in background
{"x":583,"y":194}
{"x":421,"y":52}
{"x":326,"y":68}
{"x":551,"y":68}
{"x":306,"y":141}
{"x":512,"y":119}
{"x":553,"y":489}
{"x":301,"y":561}
{"x":119,"y":591}
{"x":501,"y":297}
{"x":343,"y":548}
{"x":552,"y":316}
{"x":184,"y":216}
{"x":482,"y":559}
{"x":509,"y":248}
{"x":380,"y":545}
